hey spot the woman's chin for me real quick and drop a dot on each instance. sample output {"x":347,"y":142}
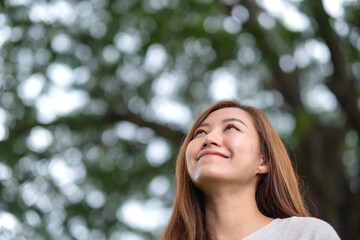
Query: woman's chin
{"x":210,"y":177}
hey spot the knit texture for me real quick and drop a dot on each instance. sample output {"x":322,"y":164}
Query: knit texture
{"x":295,"y":228}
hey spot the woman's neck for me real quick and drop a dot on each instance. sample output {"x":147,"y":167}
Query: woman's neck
{"x":233,"y":215}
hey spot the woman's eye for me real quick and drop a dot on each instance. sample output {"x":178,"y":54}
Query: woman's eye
{"x":200,"y":131}
{"x":231,"y":126}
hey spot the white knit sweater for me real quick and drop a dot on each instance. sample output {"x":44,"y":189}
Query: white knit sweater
{"x":295,"y":228}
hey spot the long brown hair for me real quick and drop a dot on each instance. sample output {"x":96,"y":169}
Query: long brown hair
{"x":277,"y":193}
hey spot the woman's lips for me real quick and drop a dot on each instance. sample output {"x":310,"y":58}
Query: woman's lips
{"x":208,"y":152}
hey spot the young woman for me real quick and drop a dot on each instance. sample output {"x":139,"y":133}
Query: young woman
{"x":235,"y":181}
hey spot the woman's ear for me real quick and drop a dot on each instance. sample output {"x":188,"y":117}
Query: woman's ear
{"x":262,"y":167}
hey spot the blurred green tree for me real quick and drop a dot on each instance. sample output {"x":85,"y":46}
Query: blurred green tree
{"x":97,"y":95}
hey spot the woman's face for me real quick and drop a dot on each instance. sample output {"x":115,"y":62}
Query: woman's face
{"x":225,"y":148}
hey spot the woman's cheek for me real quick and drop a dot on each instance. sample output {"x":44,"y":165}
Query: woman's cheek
{"x":191,"y":150}
{"x":190,"y":155}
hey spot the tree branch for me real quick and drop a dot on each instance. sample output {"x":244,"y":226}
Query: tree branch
{"x":78,"y":123}
{"x":341,"y":82}
{"x":286,"y":83}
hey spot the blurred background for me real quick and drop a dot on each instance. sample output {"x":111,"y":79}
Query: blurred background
{"x":96,"y":96}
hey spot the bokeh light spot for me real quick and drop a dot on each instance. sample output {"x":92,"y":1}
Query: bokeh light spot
{"x":158,"y":152}
{"x":39,"y":139}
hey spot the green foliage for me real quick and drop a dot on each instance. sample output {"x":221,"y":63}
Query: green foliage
{"x":96,"y":97}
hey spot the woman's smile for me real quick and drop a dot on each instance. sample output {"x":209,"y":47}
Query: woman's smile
{"x":208,"y":153}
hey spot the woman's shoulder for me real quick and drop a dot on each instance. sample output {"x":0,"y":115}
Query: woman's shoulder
{"x":296,"y":228}
{"x":311,"y":227}
{"x":305,"y":220}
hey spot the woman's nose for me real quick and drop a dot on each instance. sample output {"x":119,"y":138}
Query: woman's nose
{"x":211,"y":139}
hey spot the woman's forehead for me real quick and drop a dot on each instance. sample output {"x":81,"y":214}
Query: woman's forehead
{"x":228,"y":113}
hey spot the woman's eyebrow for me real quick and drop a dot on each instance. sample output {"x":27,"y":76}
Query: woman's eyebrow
{"x":232,"y":120}
{"x":204,"y":125}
